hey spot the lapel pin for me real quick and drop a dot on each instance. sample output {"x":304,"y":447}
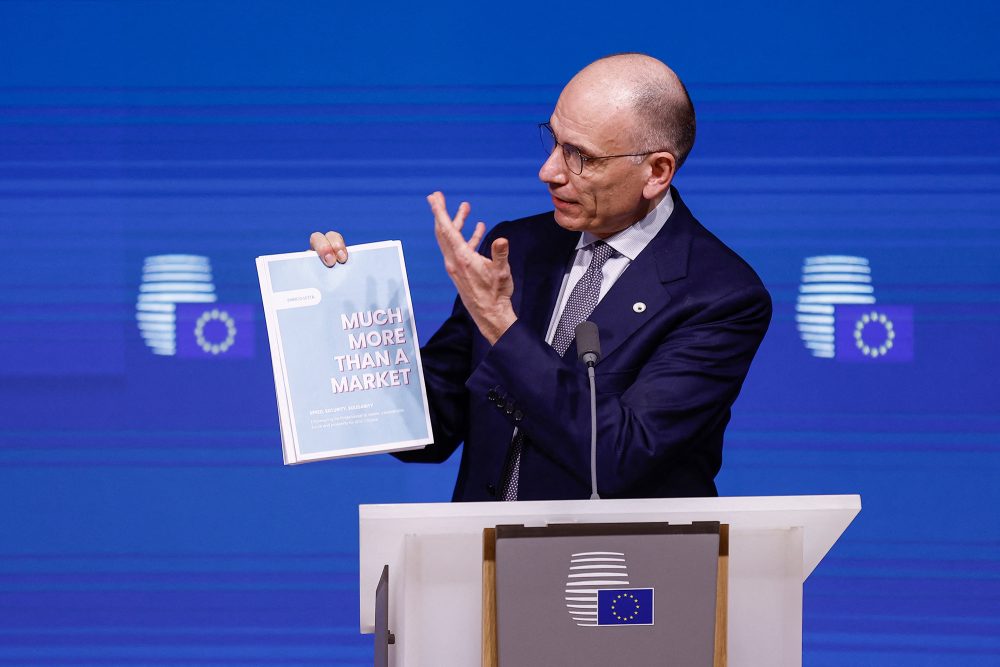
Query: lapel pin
{"x":639,"y":307}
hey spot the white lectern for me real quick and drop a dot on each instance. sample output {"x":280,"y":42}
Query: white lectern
{"x":434,"y":554}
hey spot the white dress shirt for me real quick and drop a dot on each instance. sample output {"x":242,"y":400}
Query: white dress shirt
{"x":627,"y":243}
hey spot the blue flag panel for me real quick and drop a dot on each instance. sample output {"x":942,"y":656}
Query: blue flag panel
{"x":625,"y":606}
{"x":875,"y":333}
{"x":216,"y":330}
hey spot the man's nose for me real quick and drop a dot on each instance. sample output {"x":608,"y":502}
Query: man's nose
{"x":553,"y":170}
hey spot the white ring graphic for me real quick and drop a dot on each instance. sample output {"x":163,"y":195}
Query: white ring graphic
{"x":874,"y":318}
{"x":199,"y":331}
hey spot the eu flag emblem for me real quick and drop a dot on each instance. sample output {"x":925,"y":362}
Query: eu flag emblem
{"x":874,"y":333}
{"x":215,"y":330}
{"x":625,"y":606}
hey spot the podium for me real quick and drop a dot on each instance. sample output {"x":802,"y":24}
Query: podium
{"x":435,"y":556}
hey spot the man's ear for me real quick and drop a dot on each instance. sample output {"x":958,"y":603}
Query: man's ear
{"x":663,"y":167}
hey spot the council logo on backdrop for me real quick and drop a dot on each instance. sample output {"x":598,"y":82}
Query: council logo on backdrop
{"x":598,"y":592}
{"x":178,"y":312}
{"x":839,"y":317}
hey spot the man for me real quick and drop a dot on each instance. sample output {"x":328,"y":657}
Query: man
{"x":680,"y":315}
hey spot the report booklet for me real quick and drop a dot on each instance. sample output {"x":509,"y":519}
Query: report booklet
{"x":344,"y":351}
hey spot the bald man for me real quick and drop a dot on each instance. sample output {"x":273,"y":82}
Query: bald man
{"x":680,"y":314}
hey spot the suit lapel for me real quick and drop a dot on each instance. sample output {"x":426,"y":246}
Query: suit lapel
{"x":619,"y":314}
{"x":545,"y":266}
{"x":641,"y":290}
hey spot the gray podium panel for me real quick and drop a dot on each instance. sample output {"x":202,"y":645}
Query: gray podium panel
{"x":607,"y":594}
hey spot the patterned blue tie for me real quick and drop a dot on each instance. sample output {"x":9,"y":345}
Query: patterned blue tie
{"x":581,"y":303}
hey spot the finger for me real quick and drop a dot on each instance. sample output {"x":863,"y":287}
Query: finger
{"x":449,"y":238}
{"x":440,"y":213}
{"x":338,"y":244}
{"x":500,"y":251}
{"x":477,"y":236}
{"x":463,"y":213}
{"x":323,"y":248}
{"x":438,"y":207}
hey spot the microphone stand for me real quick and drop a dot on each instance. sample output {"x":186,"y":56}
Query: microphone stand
{"x":593,"y":433}
{"x":588,"y":348}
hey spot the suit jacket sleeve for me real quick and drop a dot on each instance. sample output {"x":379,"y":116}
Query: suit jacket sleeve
{"x":648,"y":416}
{"x":447,"y":363}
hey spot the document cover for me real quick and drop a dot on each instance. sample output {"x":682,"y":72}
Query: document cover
{"x":344,"y":351}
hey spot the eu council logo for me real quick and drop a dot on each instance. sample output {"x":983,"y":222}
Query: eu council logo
{"x":597,"y":592}
{"x":838,"y":316}
{"x":178,"y":314}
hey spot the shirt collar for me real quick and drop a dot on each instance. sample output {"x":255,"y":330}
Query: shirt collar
{"x":632,"y":240}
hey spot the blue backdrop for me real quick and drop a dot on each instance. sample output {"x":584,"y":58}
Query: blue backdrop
{"x":145,"y":516}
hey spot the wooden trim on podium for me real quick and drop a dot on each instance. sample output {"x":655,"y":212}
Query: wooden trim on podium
{"x":721,"y":597}
{"x":490,"y":656}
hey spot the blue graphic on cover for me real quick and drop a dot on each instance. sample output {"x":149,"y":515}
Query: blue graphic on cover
{"x":350,"y":358}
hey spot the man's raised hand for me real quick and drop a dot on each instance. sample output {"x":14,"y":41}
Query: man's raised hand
{"x":484,"y":285}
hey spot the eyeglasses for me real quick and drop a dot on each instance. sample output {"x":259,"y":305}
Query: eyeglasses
{"x":575,"y":158}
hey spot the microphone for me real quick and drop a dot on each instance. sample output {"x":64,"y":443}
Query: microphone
{"x":588,"y":343}
{"x":588,"y":349}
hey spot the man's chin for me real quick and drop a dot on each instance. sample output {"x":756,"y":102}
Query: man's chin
{"x":567,"y":221}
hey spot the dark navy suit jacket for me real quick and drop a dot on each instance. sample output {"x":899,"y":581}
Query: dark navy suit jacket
{"x":669,"y":374}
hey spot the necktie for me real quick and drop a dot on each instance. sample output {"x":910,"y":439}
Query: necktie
{"x":581,"y":303}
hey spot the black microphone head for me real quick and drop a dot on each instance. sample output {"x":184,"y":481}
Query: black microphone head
{"x":588,"y":342}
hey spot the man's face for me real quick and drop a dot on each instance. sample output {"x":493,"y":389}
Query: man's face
{"x":608,"y":196}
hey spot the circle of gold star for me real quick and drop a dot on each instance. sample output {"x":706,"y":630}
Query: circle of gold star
{"x":874,"y":318}
{"x":625,"y":616}
{"x":199,"y":331}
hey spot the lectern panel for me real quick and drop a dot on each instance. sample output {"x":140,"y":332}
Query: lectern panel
{"x":638,"y":594}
